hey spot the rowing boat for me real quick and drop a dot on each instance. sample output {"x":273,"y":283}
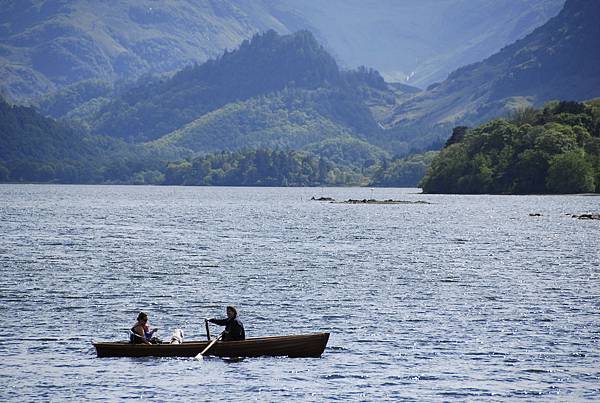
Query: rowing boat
{"x":305,"y":345}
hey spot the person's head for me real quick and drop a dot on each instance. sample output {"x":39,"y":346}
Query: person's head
{"x":231,"y":312}
{"x":142,"y":317}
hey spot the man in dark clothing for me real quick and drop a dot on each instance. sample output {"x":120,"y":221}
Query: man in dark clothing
{"x":234,"y":329}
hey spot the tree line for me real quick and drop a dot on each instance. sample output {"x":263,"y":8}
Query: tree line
{"x":555,"y":149}
{"x":262,"y":167}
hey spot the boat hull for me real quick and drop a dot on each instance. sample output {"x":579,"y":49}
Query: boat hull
{"x":306,"y":345}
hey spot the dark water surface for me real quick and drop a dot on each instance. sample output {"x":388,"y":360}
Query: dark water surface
{"x":467,"y":298}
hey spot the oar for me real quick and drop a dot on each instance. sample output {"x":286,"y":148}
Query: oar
{"x":200,"y":355}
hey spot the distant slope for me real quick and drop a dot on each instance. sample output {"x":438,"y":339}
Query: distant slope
{"x":34,"y":148}
{"x":288,"y":119}
{"x":559,"y":60}
{"x":273,"y":91}
{"x":420,"y":41}
{"x":47,"y":44}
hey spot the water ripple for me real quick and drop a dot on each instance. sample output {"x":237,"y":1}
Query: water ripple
{"x":468,"y":298}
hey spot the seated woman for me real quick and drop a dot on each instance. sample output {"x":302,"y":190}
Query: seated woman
{"x":234,"y":329}
{"x":137,"y":334}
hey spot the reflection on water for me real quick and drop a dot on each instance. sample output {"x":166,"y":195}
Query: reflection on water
{"x":465,"y":298}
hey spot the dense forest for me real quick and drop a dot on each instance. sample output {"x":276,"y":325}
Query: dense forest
{"x":555,"y":149}
{"x":258,"y":168}
{"x":405,"y":172}
{"x":34,"y":148}
{"x":264,"y":167}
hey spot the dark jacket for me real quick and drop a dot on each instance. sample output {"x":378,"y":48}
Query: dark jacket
{"x":134,"y":337}
{"x":234,"y":329}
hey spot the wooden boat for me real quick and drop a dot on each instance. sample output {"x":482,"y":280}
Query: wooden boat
{"x":305,"y":345}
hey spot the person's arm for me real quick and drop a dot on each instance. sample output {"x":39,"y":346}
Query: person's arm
{"x":220,"y":322}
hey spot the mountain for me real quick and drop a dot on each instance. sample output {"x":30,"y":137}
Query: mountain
{"x":267,"y":63}
{"x":273,"y":91}
{"x":559,"y":60}
{"x":419,"y":41}
{"x":46,"y":45}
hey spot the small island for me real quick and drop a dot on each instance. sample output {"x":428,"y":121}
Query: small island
{"x":367,"y":201}
{"x":588,"y":216}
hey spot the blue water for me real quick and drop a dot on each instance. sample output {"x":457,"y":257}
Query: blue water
{"x":467,"y":298}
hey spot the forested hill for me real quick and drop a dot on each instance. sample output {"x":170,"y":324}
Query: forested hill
{"x":24,"y":133}
{"x":559,"y":60}
{"x":35,"y":148}
{"x":253,"y":89}
{"x":552,"y":150}
{"x":28,"y":141}
{"x":275,"y":92}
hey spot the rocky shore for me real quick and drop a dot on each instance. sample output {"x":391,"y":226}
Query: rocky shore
{"x":368,"y":201}
{"x":588,"y":216}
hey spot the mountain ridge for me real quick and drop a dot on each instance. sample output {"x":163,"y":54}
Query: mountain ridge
{"x":45,"y":45}
{"x":558,"y":60}
{"x":267,"y":63}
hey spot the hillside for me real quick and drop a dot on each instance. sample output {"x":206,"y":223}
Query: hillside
{"x":273,"y":91}
{"x":420,"y":41}
{"x":34,"y":148}
{"x":291,"y":118}
{"x":559,"y":60}
{"x":267,"y":63}
{"x":46,"y":44}
{"x":31,"y":144}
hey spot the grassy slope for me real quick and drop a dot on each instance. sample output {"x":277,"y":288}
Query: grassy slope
{"x":267,"y":121}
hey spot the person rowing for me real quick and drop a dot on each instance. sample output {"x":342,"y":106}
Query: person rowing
{"x":234,"y":328}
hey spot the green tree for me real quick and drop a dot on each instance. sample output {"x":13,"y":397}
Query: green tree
{"x":446,"y":170}
{"x":570,"y":173}
{"x":554,"y":150}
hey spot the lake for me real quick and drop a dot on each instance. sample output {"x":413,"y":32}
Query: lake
{"x":466,"y":298}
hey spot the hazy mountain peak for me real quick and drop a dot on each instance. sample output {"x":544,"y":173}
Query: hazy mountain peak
{"x":46,"y":44}
{"x":559,"y":60}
